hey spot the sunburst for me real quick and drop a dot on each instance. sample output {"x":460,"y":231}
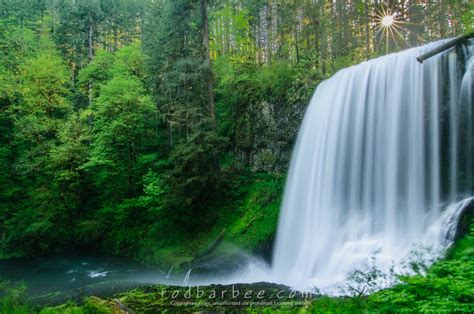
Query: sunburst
{"x":389,"y":25}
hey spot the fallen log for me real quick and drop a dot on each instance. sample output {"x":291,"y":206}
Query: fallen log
{"x":211,"y":248}
{"x":122,"y":307}
{"x":456,"y":41}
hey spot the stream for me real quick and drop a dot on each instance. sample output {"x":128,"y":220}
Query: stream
{"x":54,"y":279}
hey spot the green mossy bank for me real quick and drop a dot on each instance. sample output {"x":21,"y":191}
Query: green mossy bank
{"x":245,"y":217}
{"x":447,"y":287}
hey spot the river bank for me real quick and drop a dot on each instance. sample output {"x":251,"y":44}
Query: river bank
{"x":447,"y":286}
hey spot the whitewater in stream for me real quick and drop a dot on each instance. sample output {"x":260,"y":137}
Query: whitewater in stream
{"x":382,"y":163}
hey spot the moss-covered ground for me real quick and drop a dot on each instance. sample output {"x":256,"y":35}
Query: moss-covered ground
{"x":447,"y":287}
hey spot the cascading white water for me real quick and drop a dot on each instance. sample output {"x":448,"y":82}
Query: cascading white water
{"x":187,"y":277}
{"x":384,"y":148}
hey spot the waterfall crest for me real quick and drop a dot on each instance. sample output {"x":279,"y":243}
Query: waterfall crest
{"x":382,"y":160}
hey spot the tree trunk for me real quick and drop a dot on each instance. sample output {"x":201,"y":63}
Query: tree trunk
{"x":323,"y":39}
{"x":453,"y":42}
{"x":91,"y":35}
{"x":297,"y":49}
{"x":115,"y":35}
{"x":210,"y":81}
{"x":367,"y":29}
{"x":207,"y":58}
{"x":130,"y":169}
{"x":90,"y":55}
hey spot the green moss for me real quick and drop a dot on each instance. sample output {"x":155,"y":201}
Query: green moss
{"x":248,"y":211}
{"x":464,"y":248}
{"x":250,"y":298}
{"x":257,"y":217}
{"x":447,"y":287}
{"x":12,"y":297}
{"x":339,"y":305}
{"x":92,"y":305}
{"x":68,"y":308}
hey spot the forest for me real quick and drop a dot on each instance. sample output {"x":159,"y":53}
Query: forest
{"x":151,"y":128}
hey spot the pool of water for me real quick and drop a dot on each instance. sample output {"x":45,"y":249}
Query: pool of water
{"x":78,"y":273}
{"x":57,"y":279}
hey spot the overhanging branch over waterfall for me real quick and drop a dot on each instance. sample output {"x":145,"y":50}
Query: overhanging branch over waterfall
{"x":456,"y":41}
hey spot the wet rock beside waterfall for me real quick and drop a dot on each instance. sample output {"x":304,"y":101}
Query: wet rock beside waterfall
{"x":265,"y":138}
{"x":466,"y":219}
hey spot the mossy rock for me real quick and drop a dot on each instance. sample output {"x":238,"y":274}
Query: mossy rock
{"x":466,"y":219}
{"x":236,"y":298}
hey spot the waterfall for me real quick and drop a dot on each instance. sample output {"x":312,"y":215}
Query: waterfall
{"x":382,"y":161}
{"x":187,"y":277}
{"x":168,"y":275}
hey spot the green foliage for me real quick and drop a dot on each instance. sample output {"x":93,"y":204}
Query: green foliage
{"x":339,"y":305}
{"x":447,"y":287}
{"x":468,"y":17}
{"x":241,"y":89}
{"x":12,"y":298}
{"x":64,"y":309}
{"x":194,"y":177}
{"x":92,"y":305}
{"x":17,"y":44}
{"x":247,"y":208}
{"x":122,"y":127}
{"x":97,"y":72}
{"x":36,"y":114}
{"x":129,"y":60}
{"x":41,"y":110}
{"x":254,"y":225}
